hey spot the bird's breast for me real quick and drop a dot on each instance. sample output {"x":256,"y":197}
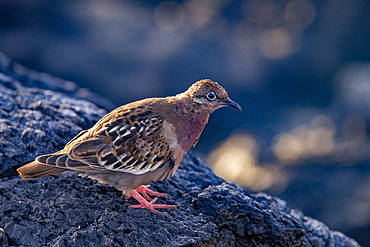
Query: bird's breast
{"x":171,"y":137}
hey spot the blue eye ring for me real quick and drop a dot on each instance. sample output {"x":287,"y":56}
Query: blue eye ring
{"x":211,"y":96}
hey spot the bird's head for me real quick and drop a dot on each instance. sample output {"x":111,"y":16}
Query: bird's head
{"x":210,"y":96}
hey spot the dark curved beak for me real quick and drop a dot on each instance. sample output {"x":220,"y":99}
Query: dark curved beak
{"x":229,"y":102}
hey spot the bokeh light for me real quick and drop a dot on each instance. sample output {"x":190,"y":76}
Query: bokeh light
{"x":169,"y":16}
{"x":202,"y":12}
{"x":236,"y":160}
{"x":354,"y":86}
{"x":303,"y":142}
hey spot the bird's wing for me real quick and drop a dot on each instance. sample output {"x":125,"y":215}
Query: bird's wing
{"x":131,"y":142}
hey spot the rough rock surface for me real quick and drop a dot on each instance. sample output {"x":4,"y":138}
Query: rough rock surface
{"x":73,"y":211}
{"x":34,"y":121}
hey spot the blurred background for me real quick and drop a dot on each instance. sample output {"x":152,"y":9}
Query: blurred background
{"x":299,"y":68}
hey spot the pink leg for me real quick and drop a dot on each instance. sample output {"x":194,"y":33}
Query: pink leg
{"x":148,"y":205}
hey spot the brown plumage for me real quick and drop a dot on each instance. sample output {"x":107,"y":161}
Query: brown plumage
{"x":137,"y":143}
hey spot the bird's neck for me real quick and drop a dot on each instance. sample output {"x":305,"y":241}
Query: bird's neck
{"x":191,"y":123}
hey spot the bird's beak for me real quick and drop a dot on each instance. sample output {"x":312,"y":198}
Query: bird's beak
{"x":229,"y":102}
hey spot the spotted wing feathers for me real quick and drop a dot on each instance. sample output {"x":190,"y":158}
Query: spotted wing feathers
{"x":128,"y":141}
{"x":137,"y":144}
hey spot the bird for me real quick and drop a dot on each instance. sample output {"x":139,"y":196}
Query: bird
{"x":137,"y":143}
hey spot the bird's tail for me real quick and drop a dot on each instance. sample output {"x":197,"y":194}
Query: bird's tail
{"x":35,"y":170}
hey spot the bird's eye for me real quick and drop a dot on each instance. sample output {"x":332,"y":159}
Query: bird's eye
{"x":211,"y":96}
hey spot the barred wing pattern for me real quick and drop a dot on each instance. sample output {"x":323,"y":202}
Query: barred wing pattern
{"x":130,"y":142}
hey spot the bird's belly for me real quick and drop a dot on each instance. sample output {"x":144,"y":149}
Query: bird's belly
{"x":126,"y":182}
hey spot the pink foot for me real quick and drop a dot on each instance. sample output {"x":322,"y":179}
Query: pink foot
{"x":150,"y":205}
{"x":144,"y":190}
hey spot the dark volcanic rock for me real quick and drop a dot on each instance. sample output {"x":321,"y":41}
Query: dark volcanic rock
{"x":73,"y":211}
{"x":35,"y":121}
{"x":68,"y":210}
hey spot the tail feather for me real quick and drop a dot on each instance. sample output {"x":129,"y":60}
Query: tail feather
{"x":35,"y":170}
